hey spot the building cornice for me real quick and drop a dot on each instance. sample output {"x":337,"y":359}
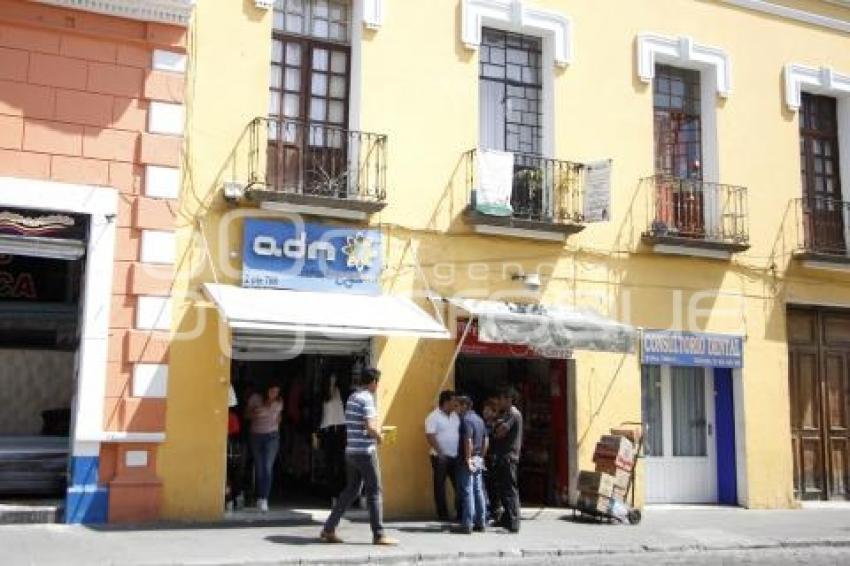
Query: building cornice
{"x":175,"y":12}
{"x":684,"y":52}
{"x":794,"y":14}
{"x":518,"y":15}
{"x":823,"y":80}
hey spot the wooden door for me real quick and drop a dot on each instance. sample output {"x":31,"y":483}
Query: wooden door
{"x":819,"y":382}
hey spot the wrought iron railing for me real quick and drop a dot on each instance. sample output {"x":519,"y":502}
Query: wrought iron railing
{"x":291,"y":156}
{"x":696,"y":209}
{"x":542,"y":190}
{"x":822,"y":225}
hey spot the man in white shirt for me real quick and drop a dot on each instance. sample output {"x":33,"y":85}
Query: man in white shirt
{"x":442,"y":429}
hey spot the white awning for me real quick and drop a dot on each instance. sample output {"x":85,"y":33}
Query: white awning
{"x":547,"y":327}
{"x":266,"y":312}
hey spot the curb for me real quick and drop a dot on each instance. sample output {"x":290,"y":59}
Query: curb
{"x":529,"y":554}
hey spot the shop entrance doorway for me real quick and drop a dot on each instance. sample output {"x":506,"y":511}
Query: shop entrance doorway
{"x":39,"y":338}
{"x":309,"y":469}
{"x":541,"y":388}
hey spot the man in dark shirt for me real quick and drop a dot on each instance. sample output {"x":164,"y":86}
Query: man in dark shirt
{"x":470,"y":467}
{"x":507,"y":446}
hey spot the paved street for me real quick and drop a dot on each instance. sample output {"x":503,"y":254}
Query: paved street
{"x":666,"y":536}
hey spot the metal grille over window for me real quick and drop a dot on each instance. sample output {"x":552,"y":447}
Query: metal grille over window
{"x":510,"y":92}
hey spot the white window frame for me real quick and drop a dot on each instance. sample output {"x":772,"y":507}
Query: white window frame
{"x":828,"y":82}
{"x":715,"y":69}
{"x":101,"y":205}
{"x":518,"y":16}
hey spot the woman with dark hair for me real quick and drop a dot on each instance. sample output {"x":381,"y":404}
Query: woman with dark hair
{"x":264,"y":412}
{"x":332,"y":436}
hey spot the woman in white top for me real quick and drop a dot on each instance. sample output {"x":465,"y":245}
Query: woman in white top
{"x":332,"y":436}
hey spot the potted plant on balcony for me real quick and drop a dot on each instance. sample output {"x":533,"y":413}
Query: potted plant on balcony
{"x":527,"y":196}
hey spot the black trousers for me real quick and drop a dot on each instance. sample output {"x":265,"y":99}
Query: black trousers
{"x":507,"y":490}
{"x":444,"y":468}
{"x":332,"y":441}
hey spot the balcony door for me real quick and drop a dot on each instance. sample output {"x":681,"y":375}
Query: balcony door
{"x":308,"y":97}
{"x":823,"y":212}
{"x":677,"y":107}
{"x":510,"y":113}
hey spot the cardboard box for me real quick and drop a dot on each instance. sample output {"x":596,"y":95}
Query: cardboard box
{"x":619,"y":493}
{"x":621,"y":476}
{"x":596,"y":482}
{"x":632,"y":434}
{"x":594,"y":502}
{"x":603,"y":458}
{"x":616,"y":445}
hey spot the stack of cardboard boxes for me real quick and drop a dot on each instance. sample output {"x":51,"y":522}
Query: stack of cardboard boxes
{"x":604,"y":490}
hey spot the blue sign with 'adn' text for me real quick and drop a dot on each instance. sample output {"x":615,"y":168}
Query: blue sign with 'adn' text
{"x":285,"y":254}
{"x":664,"y":347}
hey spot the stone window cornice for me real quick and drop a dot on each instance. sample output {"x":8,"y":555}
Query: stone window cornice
{"x":683,"y":52}
{"x":822,"y":80}
{"x":517,"y":15}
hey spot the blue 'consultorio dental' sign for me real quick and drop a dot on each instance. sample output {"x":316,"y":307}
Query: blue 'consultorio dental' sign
{"x":282,"y":254}
{"x":664,"y":347}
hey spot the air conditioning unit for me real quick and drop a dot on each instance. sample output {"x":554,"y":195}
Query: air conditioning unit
{"x":264,"y":4}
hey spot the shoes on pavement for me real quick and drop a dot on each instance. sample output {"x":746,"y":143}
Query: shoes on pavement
{"x":263,"y":505}
{"x":461,"y":530}
{"x":330,"y":538}
{"x":384,"y":540}
{"x":479,"y":529}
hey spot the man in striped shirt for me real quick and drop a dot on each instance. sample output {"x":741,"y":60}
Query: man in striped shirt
{"x":361,"y":457}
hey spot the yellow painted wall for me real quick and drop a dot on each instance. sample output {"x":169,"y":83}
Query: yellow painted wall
{"x":420,"y":88}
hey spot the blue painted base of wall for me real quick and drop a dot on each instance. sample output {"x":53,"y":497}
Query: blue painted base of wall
{"x":87,"y":504}
{"x":86,"y":501}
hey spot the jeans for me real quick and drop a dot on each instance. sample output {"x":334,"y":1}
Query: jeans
{"x":471,"y":487}
{"x":264,"y":447}
{"x":445,"y":468}
{"x":507,"y":488}
{"x":361,"y":469}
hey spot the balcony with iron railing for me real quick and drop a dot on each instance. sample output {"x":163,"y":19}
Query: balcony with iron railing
{"x":696,"y":217}
{"x":545,"y":198}
{"x":821,"y":227}
{"x":317,"y":168}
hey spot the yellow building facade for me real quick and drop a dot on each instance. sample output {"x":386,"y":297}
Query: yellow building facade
{"x":710,"y":234}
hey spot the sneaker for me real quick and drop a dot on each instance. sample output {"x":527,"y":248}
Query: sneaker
{"x":263,"y":505}
{"x":384,"y":540}
{"x":330,"y":538}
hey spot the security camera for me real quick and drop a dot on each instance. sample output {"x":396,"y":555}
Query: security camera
{"x":530,"y":280}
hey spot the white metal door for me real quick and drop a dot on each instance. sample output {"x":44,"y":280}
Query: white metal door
{"x":678,"y":409}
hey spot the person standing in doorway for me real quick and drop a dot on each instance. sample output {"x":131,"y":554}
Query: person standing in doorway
{"x":264,"y":412}
{"x":507,"y":446}
{"x":470,"y":468}
{"x":361,"y":457}
{"x":332,"y":437}
{"x":442,"y":429}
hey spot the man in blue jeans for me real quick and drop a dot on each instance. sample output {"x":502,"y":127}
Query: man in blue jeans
{"x":470,"y":468}
{"x":361,"y":459}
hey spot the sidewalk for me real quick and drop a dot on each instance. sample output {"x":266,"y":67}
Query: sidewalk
{"x":546,"y":533}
